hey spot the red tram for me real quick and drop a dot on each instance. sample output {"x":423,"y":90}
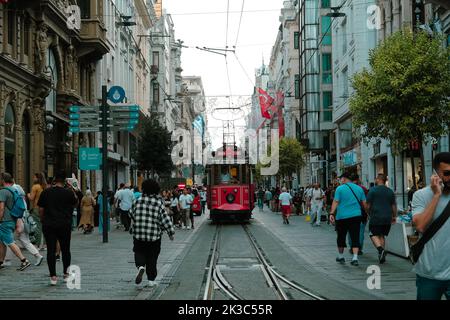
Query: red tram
{"x":230,"y":187}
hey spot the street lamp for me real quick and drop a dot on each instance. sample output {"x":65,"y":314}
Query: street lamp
{"x":125,"y":22}
{"x":335,"y":13}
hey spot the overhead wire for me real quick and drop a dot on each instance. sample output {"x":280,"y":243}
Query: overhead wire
{"x":240,"y":21}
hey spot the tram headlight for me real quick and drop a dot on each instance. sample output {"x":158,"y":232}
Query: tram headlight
{"x":230,"y":198}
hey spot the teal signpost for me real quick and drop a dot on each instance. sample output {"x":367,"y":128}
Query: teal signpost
{"x":104,"y":118}
{"x":89,"y":159}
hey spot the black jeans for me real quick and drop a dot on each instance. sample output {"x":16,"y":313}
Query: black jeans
{"x":350,"y":225}
{"x":53,"y":234}
{"x":203,"y":206}
{"x":191,"y":215}
{"x":125,"y":217}
{"x":146,"y":255}
{"x":175,"y":215}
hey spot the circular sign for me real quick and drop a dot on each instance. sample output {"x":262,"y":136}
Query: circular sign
{"x":116,"y":94}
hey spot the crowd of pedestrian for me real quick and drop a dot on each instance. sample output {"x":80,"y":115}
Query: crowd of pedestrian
{"x":44,"y":219}
{"x":352,"y":208}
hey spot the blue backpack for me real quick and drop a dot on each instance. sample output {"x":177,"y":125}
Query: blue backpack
{"x":18,"y":209}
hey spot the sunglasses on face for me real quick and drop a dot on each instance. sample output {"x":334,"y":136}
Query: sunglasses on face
{"x":446,"y":173}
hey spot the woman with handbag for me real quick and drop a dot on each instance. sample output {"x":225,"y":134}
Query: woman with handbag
{"x":346,"y":213}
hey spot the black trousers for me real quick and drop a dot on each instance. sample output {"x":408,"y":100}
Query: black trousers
{"x":125,"y":217}
{"x":52,"y":235}
{"x":344,"y":226}
{"x":146,"y":255}
{"x":175,"y":215}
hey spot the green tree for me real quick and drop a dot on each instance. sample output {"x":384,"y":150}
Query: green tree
{"x":154,"y":147}
{"x":404,"y":96}
{"x":291,"y":154}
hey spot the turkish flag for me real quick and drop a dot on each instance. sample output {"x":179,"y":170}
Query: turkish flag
{"x":265,"y":101}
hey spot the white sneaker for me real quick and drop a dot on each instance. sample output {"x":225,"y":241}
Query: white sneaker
{"x":139,"y":275}
{"x":39,"y":260}
{"x":7,"y":264}
{"x":189,"y":228}
{"x":184,"y":227}
{"x":151,"y":283}
{"x":53,"y":282}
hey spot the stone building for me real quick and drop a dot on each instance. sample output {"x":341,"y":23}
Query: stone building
{"x":47,"y":64}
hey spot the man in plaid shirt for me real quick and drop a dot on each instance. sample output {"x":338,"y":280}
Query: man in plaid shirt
{"x":150,"y":219}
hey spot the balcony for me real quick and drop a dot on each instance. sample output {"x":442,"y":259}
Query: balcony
{"x":93,"y":39}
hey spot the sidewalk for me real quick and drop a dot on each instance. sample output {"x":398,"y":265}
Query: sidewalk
{"x":107,"y":269}
{"x":317,"y":245}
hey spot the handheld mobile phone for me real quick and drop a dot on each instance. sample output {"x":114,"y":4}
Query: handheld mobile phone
{"x":440,"y":180}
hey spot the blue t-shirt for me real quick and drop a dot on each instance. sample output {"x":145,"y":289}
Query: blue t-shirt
{"x":348,"y":206}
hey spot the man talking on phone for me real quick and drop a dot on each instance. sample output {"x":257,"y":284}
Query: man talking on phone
{"x":433,"y":266}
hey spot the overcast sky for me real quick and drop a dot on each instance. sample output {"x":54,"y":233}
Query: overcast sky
{"x":203,"y":23}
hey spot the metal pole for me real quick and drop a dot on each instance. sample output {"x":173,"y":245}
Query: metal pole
{"x":104,"y":131}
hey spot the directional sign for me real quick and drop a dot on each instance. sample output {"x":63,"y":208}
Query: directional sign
{"x":130,"y":108}
{"x":83,"y":109}
{"x":124,"y":121}
{"x":131,"y":115}
{"x":89,"y":158}
{"x":89,"y":118}
{"x":116,"y":94}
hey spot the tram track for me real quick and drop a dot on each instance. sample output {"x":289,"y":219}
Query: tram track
{"x":215,"y":279}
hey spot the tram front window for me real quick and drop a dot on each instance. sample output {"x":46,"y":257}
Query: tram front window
{"x":225,"y":177}
{"x":229,"y":175}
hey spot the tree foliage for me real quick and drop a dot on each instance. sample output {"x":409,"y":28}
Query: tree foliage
{"x":154,"y":147}
{"x":404,"y":96}
{"x":291,"y":154}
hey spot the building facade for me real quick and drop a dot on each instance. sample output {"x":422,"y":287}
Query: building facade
{"x":166,"y":72}
{"x":352,"y":40}
{"x":315,"y":89}
{"x":403,"y":173}
{"x":46,"y":65}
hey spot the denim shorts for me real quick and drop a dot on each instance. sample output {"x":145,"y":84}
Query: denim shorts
{"x":7,"y":229}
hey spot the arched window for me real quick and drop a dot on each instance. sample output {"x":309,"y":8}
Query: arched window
{"x":50,"y":101}
{"x":10,"y":141}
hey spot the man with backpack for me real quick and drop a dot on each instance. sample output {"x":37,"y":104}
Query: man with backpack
{"x":24,"y":227}
{"x":12,"y":207}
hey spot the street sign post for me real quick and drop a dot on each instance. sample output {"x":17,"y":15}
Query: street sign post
{"x":102,"y":119}
{"x":89,"y":159}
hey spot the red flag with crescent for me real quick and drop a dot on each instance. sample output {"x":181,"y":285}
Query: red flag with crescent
{"x":265,"y":101}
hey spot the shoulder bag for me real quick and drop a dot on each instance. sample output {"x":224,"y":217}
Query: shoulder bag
{"x":417,"y":248}
{"x":363,"y":210}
